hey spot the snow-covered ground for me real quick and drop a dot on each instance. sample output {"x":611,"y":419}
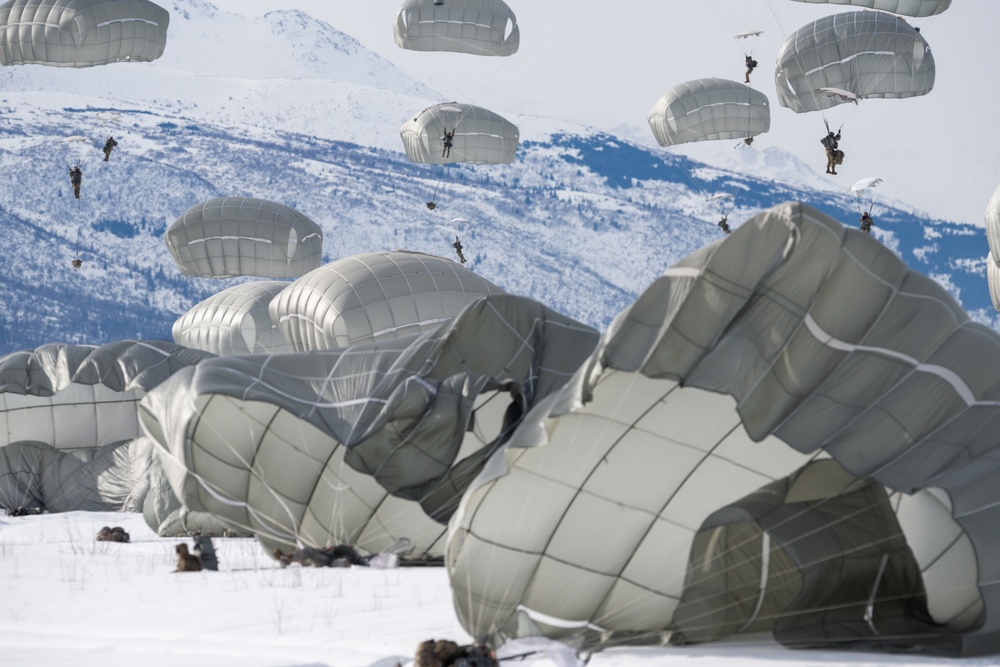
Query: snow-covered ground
{"x":70,"y":600}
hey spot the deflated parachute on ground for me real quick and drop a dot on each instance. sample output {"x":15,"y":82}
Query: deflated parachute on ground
{"x":480,"y":135}
{"x":479,"y":27}
{"x":915,"y":8}
{"x":789,"y":432}
{"x":304,"y":449}
{"x":709,"y":109}
{"x":374,"y":297}
{"x":81,"y":33}
{"x":244,"y":236}
{"x":234,"y":321}
{"x":866,"y":54}
{"x":68,"y":416}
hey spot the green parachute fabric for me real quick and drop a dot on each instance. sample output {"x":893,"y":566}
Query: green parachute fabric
{"x":914,"y":8}
{"x":369,"y":444}
{"x":791,"y":392}
{"x":709,"y":109}
{"x":81,"y":33}
{"x":478,"y":27}
{"x":864,"y":54}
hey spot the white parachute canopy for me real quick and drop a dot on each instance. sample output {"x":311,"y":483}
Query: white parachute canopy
{"x":863,"y":184}
{"x":992,"y":218}
{"x":81,"y":33}
{"x":748,"y":34}
{"x":863,"y":54}
{"x":789,"y":433}
{"x":993,"y":279}
{"x":480,"y":136}
{"x":374,"y":297}
{"x":915,"y":8}
{"x":234,"y":321}
{"x":709,"y":109}
{"x":244,"y":236}
{"x":477,"y":27}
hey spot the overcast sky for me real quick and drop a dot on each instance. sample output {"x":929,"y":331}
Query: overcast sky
{"x":605,"y":63}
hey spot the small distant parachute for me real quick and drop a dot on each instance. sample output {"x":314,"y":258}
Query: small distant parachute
{"x":374,"y":297}
{"x":722,"y":196}
{"x":915,"y":8}
{"x":243,"y":236}
{"x":865,"y":184}
{"x":234,"y":321}
{"x":709,"y":109}
{"x":480,"y":135}
{"x":858,"y":55}
{"x":478,"y":27}
{"x":81,"y":33}
{"x":749,"y":33}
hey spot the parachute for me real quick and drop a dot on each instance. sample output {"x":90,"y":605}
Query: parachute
{"x":863,"y":54}
{"x":306,"y":448}
{"x":709,"y":109}
{"x":68,"y":414}
{"x":480,"y":135}
{"x":243,"y":236}
{"x":234,"y":321}
{"x":993,"y":279}
{"x":81,"y":33}
{"x":915,"y":8}
{"x":374,"y":297}
{"x":478,"y":27}
{"x":992,"y":218}
{"x":789,"y":432}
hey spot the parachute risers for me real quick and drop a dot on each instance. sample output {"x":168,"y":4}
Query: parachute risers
{"x":81,"y":33}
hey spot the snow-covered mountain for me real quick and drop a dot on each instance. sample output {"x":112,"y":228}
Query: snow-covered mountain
{"x":287,"y":108}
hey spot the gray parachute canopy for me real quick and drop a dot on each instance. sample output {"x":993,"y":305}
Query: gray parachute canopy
{"x":244,"y":236}
{"x":480,"y":135}
{"x":915,"y":8}
{"x":81,"y":33}
{"x":993,"y":279}
{"x":234,"y":321}
{"x":866,"y":54}
{"x":708,"y":109}
{"x":304,"y":449}
{"x":681,"y":487}
{"x":992,"y":218}
{"x":374,"y":297}
{"x":68,"y":415}
{"x":479,"y":27}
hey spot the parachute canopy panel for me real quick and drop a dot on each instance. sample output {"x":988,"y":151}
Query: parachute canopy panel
{"x":915,"y":8}
{"x":480,"y":136}
{"x":234,"y":321}
{"x":243,"y":236}
{"x":993,"y":278}
{"x":709,"y":109}
{"x":478,"y":27}
{"x":864,"y":54}
{"x":81,"y":33}
{"x":374,"y":297}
